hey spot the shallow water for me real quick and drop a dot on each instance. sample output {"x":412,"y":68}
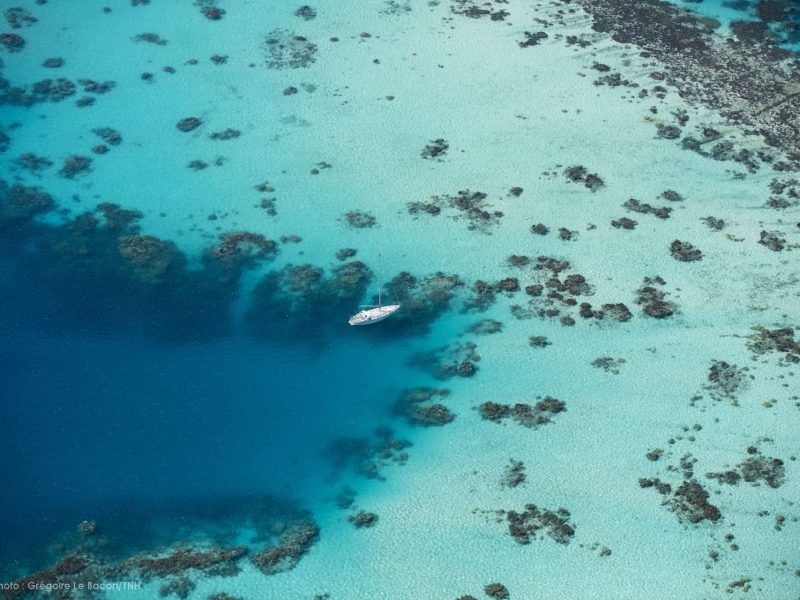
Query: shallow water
{"x":174,"y":395}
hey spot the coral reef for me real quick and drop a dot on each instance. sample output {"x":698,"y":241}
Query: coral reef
{"x":360,"y":220}
{"x":497,"y":591}
{"x":580,"y":174}
{"x":188,"y":124}
{"x":150,"y":38}
{"x":468,"y":205}
{"x":754,"y":469}
{"x":416,"y":406}
{"x":533,"y":522}
{"x":436,"y":149}
{"x":486,"y":327}
{"x":242,"y":248}
{"x":689,"y":501}
{"x":513,"y":474}
{"x":18,"y":17}
{"x":306,"y":12}
{"x":684,"y":251}
{"x":653,"y":299}
{"x":662,"y":212}
{"x":448,"y":361}
{"x":743,"y":77}
{"x":773,"y":240}
{"x":725,"y":380}
{"x":423,"y":300}
{"x":12,"y":42}
{"x":766,"y":341}
{"x":531,"y":416}
{"x":292,"y":545}
{"x":150,"y":259}
{"x":345,"y":253}
{"x":363,"y":519}
{"x":366,"y":457}
{"x":75,"y":165}
{"x":285,"y":50}
{"x":608,"y":364}
{"x":532,"y":39}
{"x":287,"y":302}
{"x":225,"y":134}
{"x":210,"y":10}
{"x":19,"y":203}
{"x":538,"y":341}
{"x":624,"y":223}
{"x":212,"y":561}
{"x":475,"y":9}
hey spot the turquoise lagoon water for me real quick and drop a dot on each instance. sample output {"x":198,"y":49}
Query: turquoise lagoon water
{"x":164,"y":417}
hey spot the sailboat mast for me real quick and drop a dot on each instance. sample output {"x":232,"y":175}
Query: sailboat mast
{"x":380,"y":285}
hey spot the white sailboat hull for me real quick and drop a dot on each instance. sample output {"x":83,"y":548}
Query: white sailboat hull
{"x":373,"y":315}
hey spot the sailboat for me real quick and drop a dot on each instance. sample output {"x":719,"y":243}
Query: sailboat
{"x":373,"y":314}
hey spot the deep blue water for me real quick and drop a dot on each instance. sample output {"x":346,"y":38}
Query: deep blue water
{"x":107,"y":423}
